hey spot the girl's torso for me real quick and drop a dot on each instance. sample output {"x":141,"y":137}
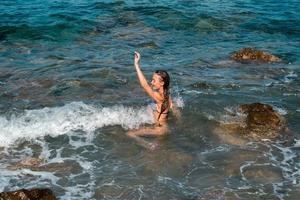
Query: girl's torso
{"x":161,"y":115}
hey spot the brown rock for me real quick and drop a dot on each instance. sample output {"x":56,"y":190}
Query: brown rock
{"x":250,"y":54}
{"x":28,"y":162}
{"x":261,"y":122}
{"x":32,"y":194}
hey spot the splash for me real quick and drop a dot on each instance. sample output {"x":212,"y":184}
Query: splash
{"x":70,"y":117}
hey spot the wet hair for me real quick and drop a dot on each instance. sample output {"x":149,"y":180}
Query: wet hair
{"x":166,"y":80}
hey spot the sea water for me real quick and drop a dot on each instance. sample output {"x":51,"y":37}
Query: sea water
{"x":69,"y":93}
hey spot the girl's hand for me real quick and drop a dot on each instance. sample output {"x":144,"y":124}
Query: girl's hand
{"x":137,"y":58}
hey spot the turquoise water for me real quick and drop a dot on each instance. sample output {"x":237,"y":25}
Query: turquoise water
{"x":69,"y":93}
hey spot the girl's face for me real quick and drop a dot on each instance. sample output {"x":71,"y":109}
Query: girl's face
{"x":157,"y":82}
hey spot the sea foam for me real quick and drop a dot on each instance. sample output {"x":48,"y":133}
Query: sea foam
{"x":70,"y":117}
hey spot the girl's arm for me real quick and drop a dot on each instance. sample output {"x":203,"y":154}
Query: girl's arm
{"x":143,"y":81}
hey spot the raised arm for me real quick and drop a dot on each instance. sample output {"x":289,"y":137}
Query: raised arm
{"x":143,"y":80}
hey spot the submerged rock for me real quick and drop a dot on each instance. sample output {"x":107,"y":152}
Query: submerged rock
{"x":149,"y":45}
{"x":32,"y":194}
{"x":28,"y":162}
{"x":250,"y":54}
{"x":217,"y":193}
{"x":167,"y":162}
{"x":263,"y":174}
{"x":207,"y":86}
{"x":260,"y":121}
{"x":202,"y":85}
{"x":36,"y":164}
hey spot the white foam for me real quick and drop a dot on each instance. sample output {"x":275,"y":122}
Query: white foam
{"x":6,"y":176}
{"x":221,"y":148}
{"x":297,"y":143}
{"x":178,"y":101}
{"x":73,"y":116}
{"x":288,"y":164}
{"x":79,"y":192}
{"x":193,"y":91}
{"x":200,"y":92}
{"x":288,"y":155}
{"x":80,"y":142}
{"x":290,"y":77}
{"x":233,"y":116}
{"x":292,"y":74}
{"x":281,"y":111}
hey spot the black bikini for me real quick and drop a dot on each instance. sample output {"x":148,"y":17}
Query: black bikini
{"x":159,"y":112}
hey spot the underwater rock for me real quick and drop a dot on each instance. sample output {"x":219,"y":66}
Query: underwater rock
{"x":260,"y":121}
{"x":234,"y":160}
{"x":32,"y":194}
{"x":149,"y":45}
{"x":250,"y":54}
{"x":294,"y":194}
{"x":172,"y":164}
{"x":36,"y":164}
{"x":110,"y":190}
{"x":168,"y":162}
{"x":202,"y":85}
{"x":263,"y":174}
{"x":28,"y":162}
{"x":64,"y":168}
{"x":217,"y":193}
{"x":208,"y":86}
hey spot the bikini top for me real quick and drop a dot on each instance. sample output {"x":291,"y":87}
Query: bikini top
{"x":164,"y":107}
{"x":155,"y":109}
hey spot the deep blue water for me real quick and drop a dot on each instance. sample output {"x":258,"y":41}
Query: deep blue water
{"x":69,"y":93}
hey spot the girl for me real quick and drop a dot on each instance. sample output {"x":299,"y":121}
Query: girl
{"x":159,"y":92}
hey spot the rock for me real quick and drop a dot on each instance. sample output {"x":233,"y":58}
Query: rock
{"x":112,"y":191}
{"x":36,"y":164}
{"x":32,"y":194}
{"x":217,"y":193}
{"x":233,"y":161}
{"x":149,"y":45}
{"x":250,"y":54}
{"x":294,"y":194}
{"x":261,"y":122}
{"x":64,"y":168}
{"x":168,"y":162}
{"x":28,"y":162}
{"x":202,"y":85}
{"x":263,"y":174}
{"x":207,"y":86}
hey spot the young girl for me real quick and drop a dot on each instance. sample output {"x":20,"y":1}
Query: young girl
{"x":159,"y":92}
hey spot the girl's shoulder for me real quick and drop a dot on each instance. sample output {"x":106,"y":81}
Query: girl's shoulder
{"x":158,"y":97}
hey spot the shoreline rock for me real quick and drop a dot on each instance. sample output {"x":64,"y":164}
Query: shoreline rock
{"x":260,"y":122}
{"x":31,"y":194}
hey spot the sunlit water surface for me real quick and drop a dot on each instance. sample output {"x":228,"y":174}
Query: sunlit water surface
{"x":69,"y":93}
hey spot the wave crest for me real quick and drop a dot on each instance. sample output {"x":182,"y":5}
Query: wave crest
{"x":70,"y":117}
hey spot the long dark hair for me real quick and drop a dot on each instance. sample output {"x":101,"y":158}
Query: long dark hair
{"x":166,"y":79}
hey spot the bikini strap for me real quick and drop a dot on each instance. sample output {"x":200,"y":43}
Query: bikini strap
{"x":163,"y":107}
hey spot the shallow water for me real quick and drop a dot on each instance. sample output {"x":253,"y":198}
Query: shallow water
{"x":68,"y":94}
